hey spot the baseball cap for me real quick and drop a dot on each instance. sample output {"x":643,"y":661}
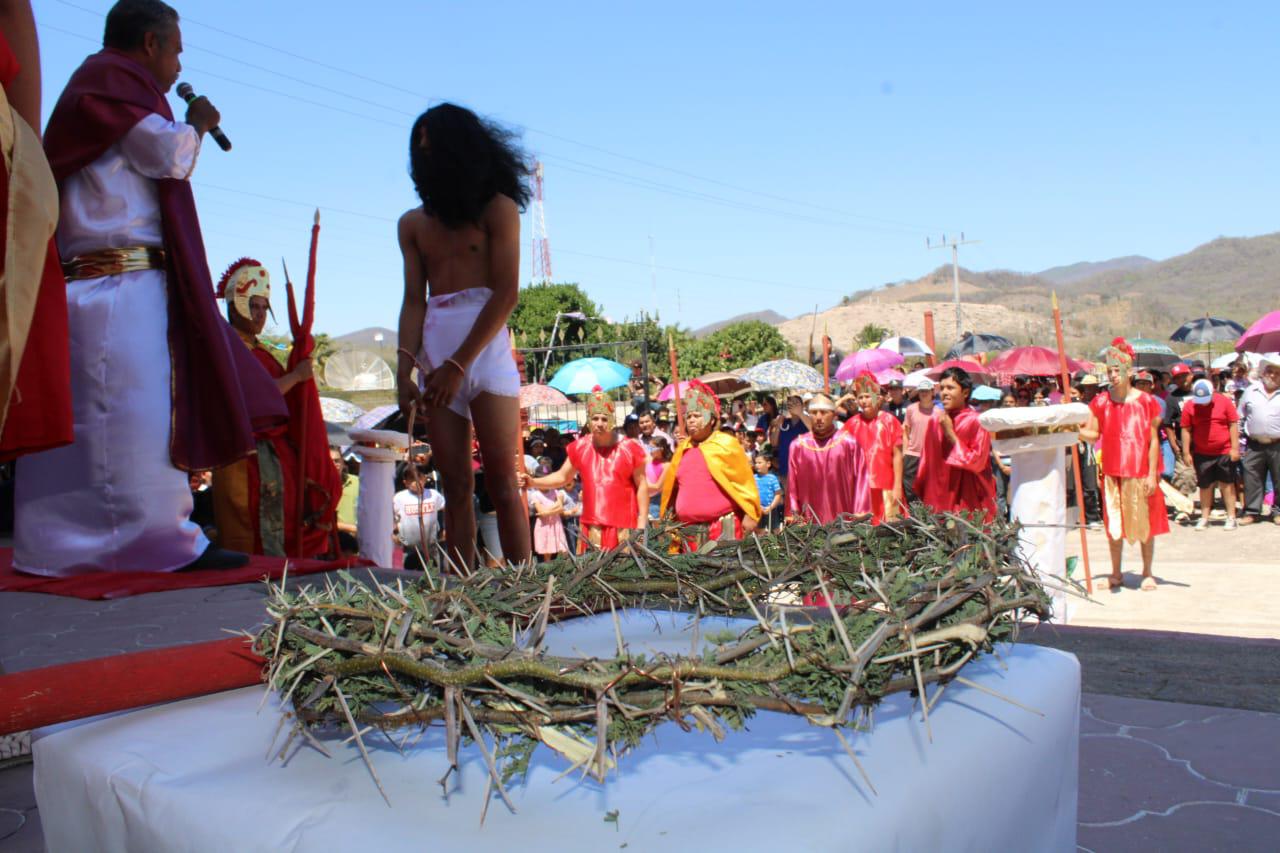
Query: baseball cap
{"x":1201,"y":391}
{"x":1144,"y":376}
{"x":632,"y":418}
{"x":1179,"y":369}
{"x":985,"y":394}
{"x":925,"y":384}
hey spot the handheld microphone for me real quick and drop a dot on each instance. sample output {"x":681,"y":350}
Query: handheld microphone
{"x":188,"y":94}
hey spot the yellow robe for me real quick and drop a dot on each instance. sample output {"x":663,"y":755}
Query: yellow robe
{"x":728,"y":465}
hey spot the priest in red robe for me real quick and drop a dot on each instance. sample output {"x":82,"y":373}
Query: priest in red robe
{"x":35,"y":367}
{"x":955,"y":473}
{"x":1128,"y":422}
{"x":161,"y":385}
{"x":615,"y":492}
{"x":879,"y":434}
{"x":710,"y":481}
{"x":827,"y":475}
{"x":255,"y":499}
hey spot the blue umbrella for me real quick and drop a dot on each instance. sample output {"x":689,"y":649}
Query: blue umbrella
{"x":582,"y":376}
{"x":784,"y":373}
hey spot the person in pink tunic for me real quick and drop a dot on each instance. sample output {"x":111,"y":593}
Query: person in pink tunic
{"x":827,"y":473}
{"x":879,"y":434}
{"x":1128,"y":422}
{"x":955,"y":474}
{"x":615,"y":493}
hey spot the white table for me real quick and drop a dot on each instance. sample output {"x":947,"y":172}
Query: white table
{"x":192,"y":776}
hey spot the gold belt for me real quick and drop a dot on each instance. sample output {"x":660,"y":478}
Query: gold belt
{"x":113,"y":262}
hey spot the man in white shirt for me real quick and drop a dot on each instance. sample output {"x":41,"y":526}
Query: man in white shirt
{"x":416,"y":510}
{"x":160,"y":383}
{"x":1260,"y":414}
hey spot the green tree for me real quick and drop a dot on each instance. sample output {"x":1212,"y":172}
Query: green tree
{"x":649,"y":329}
{"x":734,"y":346}
{"x":870,"y":335}
{"x":535,"y":314}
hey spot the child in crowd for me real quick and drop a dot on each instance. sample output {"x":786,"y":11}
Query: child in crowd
{"x":770,"y":489}
{"x":416,"y":511}
{"x":654,"y":472}
{"x":548,"y":531}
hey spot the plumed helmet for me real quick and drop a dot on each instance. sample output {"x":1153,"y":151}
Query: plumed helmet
{"x":243,"y":280}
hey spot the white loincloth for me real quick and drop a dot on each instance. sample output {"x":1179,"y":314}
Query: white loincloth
{"x":111,"y":501}
{"x":449,"y":320}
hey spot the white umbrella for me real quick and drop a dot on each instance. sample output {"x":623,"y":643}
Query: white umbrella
{"x":908,"y":347}
{"x":1224,"y":361}
{"x":913,"y":379}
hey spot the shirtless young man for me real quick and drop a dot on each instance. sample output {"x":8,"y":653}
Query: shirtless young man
{"x":463,"y":246}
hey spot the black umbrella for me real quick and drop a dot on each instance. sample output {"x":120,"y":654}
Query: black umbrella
{"x":1208,"y":330}
{"x":973,"y":344}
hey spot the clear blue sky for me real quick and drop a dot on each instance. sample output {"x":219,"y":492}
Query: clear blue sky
{"x":777,"y":157}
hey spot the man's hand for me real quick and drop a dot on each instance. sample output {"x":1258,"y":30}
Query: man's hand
{"x":522,"y":478}
{"x":1188,"y":461}
{"x":1150,"y":485}
{"x":305,"y":370}
{"x":407,"y":394}
{"x":1235,"y":453}
{"x":203,"y":115}
{"x":442,"y":384}
{"x":948,"y":427}
{"x":749,"y":524}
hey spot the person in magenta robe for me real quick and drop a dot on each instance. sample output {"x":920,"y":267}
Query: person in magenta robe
{"x":827,"y":475}
{"x":1128,"y":422}
{"x":955,"y":473}
{"x":879,"y":434}
{"x":615,"y":492}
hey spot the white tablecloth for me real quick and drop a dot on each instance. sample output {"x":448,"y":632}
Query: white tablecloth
{"x":192,"y":776}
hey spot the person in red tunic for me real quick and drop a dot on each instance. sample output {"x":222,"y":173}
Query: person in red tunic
{"x":955,"y":474}
{"x":255,"y":499}
{"x":1128,"y":422}
{"x":35,"y":358}
{"x":615,"y":493}
{"x":879,"y":434}
{"x":826,"y":470}
{"x":709,"y":481}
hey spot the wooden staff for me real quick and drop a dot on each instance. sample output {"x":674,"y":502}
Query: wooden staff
{"x":1075,"y":448}
{"x":675,"y":382}
{"x":826,"y":363}
{"x":928,"y":336}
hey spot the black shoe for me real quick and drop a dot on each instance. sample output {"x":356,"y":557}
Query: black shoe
{"x":217,"y":558}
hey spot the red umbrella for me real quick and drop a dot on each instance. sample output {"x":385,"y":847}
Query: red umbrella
{"x":541,"y":395}
{"x":1033,"y":361}
{"x":1262,"y":336}
{"x":977,"y":371}
{"x":318,"y":485}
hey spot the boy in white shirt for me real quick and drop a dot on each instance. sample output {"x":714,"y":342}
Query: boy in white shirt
{"x":416,"y":510}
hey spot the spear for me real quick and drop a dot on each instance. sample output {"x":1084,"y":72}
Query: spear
{"x":675,"y":382}
{"x":1075,"y":448}
{"x":826,"y":363}
{"x":303,"y":345}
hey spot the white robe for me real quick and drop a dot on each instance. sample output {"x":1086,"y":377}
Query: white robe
{"x":112,"y":500}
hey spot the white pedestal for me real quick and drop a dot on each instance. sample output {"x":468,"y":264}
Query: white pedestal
{"x":378,"y":456}
{"x":1038,"y":499}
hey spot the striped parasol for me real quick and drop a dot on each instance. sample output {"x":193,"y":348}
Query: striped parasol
{"x":784,"y":373}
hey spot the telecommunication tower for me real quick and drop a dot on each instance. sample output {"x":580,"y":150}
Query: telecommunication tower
{"x":541,"y":245}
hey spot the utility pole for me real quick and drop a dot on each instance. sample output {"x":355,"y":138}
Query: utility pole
{"x":955,"y":271}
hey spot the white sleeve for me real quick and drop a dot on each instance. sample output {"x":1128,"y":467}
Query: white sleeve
{"x":158,"y":148}
{"x":439,"y":500}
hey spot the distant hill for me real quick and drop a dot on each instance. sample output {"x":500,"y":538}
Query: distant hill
{"x":1087,"y":269}
{"x":1233,"y":277}
{"x":771,"y":317}
{"x":366,"y":339}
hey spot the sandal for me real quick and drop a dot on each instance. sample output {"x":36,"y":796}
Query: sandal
{"x":1110,"y":583}
{"x":1148,"y":584}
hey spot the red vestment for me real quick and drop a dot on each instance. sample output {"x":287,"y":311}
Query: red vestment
{"x":878,"y":437}
{"x":608,"y":488}
{"x":826,"y":478}
{"x":1125,"y":440}
{"x":709,"y":483}
{"x":956,"y":477}
{"x":39,"y":410}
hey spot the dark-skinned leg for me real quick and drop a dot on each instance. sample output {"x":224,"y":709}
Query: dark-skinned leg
{"x":497,"y":425}
{"x":451,"y":451}
{"x":1117,"y":550}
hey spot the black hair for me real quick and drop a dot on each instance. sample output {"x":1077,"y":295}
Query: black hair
{"x":961,"y":378}
{"x":465,"y":163}
{"x":129,"y":21}
{"x":772,"y":404}
{"x":766,"y":455}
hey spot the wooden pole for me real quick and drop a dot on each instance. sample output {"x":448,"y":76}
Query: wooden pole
{"x":675,"y":383}
{"x":1075,"y":448}
{"x":928,"y":336}
{"x":826,"y":364}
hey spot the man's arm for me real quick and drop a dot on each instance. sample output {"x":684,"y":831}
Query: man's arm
{"x":413,"y":310}
{"x":556,"y":480}
{"x":642,"y":496}
{"x":159,"y":149}
{"x":1235,"y":441}
{"x":19,"y":28}
{"x":1153,"y":458}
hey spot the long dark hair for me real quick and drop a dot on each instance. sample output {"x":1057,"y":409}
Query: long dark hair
{"x":465,"y":163}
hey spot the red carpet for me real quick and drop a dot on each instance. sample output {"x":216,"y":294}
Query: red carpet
{"x":100,"y":585}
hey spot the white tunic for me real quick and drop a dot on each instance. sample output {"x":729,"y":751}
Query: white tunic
{"x":112,"y":500}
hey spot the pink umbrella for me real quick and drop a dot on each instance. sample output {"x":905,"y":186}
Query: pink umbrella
{"x":1262,"y":336}
{"x":870,"y":360}
{"x":668,"y":392}
{"x":1033,"y":361}
{"x":977,"y":371}
{"x":884,"y":377}
{"x":541,"y":395}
